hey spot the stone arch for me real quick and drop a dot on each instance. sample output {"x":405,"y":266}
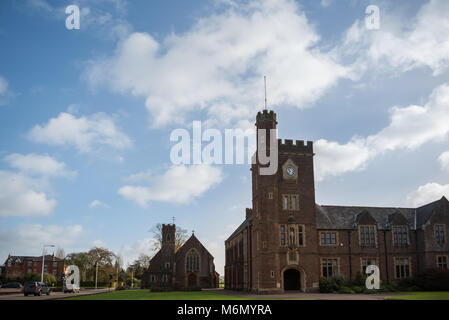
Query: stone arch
{"x":302,"y":276}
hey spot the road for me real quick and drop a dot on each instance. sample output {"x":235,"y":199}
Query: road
{"x":53,"y":295}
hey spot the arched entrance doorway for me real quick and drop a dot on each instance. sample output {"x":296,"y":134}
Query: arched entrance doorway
{"x":292,"y":279}
{"x":192,"y":280}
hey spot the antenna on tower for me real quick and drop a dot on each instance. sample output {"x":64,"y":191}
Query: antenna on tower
{"x":265,"y":82}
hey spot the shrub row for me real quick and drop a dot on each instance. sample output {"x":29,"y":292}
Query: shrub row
{"x":429,"y":280}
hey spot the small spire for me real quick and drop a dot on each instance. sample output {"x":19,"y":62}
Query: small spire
{"x":193,"y":232}
{"x":173,"y":219}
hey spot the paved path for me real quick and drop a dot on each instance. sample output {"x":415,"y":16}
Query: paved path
{"x":306,"y":296}
{"x":53,"y":295}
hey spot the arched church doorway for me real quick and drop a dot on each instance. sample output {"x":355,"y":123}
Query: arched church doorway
{"x":292,"y":279}
{"x":192,"y":280}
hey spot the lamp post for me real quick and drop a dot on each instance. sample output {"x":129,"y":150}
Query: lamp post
{"x":43,"y":259}
{"x":96,"y":274}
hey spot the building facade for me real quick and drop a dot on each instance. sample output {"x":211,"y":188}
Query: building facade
{"x":190,"y":266}
{"x":19,"y":266}
{"x":288,"y":242}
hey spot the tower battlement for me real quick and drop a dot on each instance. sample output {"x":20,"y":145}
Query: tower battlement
{"x":288,"y":145}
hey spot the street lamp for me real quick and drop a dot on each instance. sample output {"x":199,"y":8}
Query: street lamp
{"x":43,"y":259}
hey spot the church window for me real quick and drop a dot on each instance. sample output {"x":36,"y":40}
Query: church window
{"x":192,"y":261}
{"x":400,"y":235}
{"x":439,"y":233}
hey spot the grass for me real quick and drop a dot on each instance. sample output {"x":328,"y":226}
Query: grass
{"x":147,"y":295}
{"x":424,"y":295}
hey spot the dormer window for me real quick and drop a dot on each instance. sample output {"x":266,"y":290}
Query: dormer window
{"x":367,"y":236}
{"x":400,"y":236}
{"x":439,"y":233}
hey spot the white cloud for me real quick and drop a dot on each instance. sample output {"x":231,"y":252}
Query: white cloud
{"x":218,"y":65}
{"x":84,"y":133}
{"x":23,"y":196}
{"x":427,"y":193}
{"x":409,"y":128}
{"x":404,"y":43}
{"x":3,"y":86}
{"x":38,"y":164}
{"x":98,"y":203}
{"x":444,"y":160}
{"x":179,"y":184}
{"x":27,"y":239}
{"x":144,"y":176}
{"x":326,"y":3}
{"x":131,"y":252}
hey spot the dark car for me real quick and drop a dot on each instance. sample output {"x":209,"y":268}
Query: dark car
{"x":12,"y":285}
{"x":36,"y":288}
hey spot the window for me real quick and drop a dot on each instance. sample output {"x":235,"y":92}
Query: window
{"x":272,"y":273}
{"x":167,"y":265}
{"x":290,"y":202}
{"x":439,"y":233}
{"x":282,"y":235}
{"x":54,"y":272}
{"x":329,"y":267}
{"x":270,"y":195}
{"x":192,"y":261}
{"x":285,"y":202}
{"x":153,"y":278}
{"x":402,"y":266}
{"x":164,"y":278}
{"x":29,"y":263}
{"x":365,"y":262}
{"x":55,"y":264}
{"x":400,"y":235}
{"x":301,"y":235}
{"x":367,"y":236}
{"x":328,"y":238}
{"x":442,"y":262}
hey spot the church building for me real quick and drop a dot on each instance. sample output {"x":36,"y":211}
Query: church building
{"x":288,"y":242}
{"x":189,"y":266}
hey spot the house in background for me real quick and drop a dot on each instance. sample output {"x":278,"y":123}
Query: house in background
{"x":19,"y":266}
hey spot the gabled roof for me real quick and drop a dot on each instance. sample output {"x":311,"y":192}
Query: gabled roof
{"x":193,"y":239}
{"x":243,"y":226}
{"x":344,"y":217}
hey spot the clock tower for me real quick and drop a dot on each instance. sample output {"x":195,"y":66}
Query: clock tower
{"x":284,"y":242}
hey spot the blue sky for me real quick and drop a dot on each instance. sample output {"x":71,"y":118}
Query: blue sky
{"x":86,"y":115}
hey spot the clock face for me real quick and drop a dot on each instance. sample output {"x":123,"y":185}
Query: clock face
{"x":290,"y":171}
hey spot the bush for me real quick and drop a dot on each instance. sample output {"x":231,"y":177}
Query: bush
{"x":120,"y":288}
{"x":332,"y":285}
{"x":432,"y":280}
{"x":359,"y":289}
{"x":160,"y":289}
{"x":360,"y":279}
{"x":192,"y":289}
{"x":407,"y":283}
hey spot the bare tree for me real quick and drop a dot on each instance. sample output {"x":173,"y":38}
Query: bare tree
{"x":180,"y":237}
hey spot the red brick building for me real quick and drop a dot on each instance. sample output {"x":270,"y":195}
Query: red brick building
{"x":287,"y":241}
{"x":19,"y":266}
{"x":190,"y":266}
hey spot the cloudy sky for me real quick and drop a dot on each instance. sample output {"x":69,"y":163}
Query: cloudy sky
{"x":86,"y":115}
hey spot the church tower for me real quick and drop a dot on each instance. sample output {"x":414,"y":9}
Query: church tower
{"x":284,"y":222}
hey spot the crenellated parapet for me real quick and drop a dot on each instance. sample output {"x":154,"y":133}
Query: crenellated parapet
{"x":297,"y":146}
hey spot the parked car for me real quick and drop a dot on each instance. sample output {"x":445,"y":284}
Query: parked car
{"x":12,"y":285}
{"x":36,"y":288}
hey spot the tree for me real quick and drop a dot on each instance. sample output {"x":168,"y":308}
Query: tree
{"x":139,"y":265}
{"x":180,"y":237}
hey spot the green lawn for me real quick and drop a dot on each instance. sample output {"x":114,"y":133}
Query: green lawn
{"x":147,"y":295}
{"x":431,"y":295}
